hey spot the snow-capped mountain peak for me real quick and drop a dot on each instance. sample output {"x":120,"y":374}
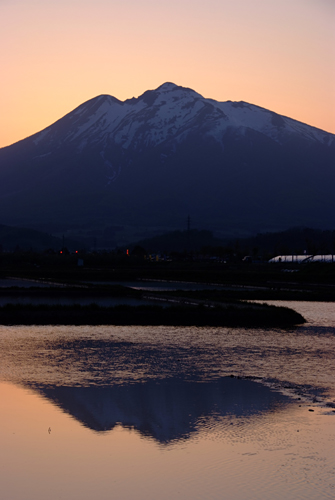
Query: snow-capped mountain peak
{"x":171,"y":112}
{"x":152,"y":160}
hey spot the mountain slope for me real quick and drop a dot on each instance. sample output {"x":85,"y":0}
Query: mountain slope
{"x":151,"y":161}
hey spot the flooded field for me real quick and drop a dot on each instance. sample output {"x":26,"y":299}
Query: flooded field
{"x":169,"y":412}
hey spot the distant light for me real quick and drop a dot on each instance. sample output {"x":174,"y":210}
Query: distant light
{"x":61,"y":251}
{"x":127,"y":251}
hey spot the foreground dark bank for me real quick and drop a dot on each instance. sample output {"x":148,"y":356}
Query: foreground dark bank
{"x":232,"y":315}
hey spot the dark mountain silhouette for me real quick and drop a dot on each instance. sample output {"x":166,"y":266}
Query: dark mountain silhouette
{"x":178,"y":241}
{"x":20,"y":238}
{"x":150,"y":162}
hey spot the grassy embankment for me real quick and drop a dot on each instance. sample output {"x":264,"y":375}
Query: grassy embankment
{"x":229,"y":315}
{"x":187,"y":311}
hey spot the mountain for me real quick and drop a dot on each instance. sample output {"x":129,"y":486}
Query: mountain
{"x":114,"y":170}
{"x":17,"y":238}
{"x":177,"y":241}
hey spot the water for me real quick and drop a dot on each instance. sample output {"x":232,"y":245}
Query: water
{"x":168,"y":412}
{"x":166,"y":285}
{"x":317,"y":314}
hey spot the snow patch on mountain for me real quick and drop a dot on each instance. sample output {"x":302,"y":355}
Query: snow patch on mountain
{"x":39,"y":136}
{"x":170,"y":113}
{"x":112,"y":173}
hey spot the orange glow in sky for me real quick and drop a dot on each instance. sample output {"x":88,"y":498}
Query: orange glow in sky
{"x":57,"y":54}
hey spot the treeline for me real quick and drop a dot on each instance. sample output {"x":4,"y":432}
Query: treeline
{"x":292,"y":241}
{"x":181,"y":244}
{"x":262,"y":246}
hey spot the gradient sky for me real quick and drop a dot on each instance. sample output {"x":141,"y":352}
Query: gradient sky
{"x":56,"y":54}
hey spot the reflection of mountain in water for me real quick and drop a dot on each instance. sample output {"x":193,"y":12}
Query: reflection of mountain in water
{"x":167,"y":410}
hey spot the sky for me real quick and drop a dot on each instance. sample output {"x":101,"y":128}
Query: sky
{"x":57,"y":54}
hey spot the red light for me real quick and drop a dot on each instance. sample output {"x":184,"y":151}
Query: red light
{"x":127,"y":251}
